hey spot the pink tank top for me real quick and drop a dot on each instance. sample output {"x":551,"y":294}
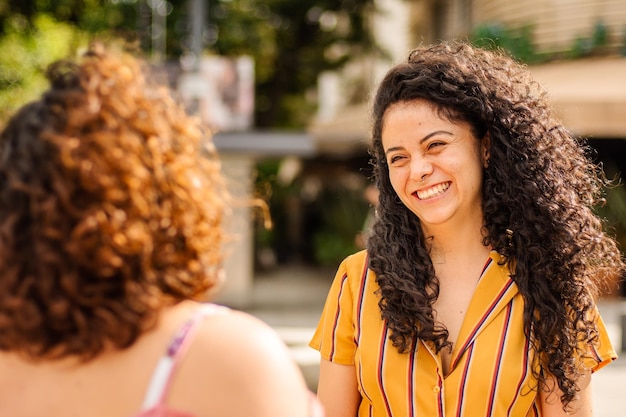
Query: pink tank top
{"x":154,"y":402}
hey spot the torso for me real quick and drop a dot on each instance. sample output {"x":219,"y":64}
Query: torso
{"x":492,"y":362}
{"x":457,"y":281}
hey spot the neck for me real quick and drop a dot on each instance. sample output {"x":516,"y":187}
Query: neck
{"x":462,"y":241}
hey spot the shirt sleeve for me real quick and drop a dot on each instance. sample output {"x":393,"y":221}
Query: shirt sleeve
{"x":601,"y":353}
{"x":334,"y":336}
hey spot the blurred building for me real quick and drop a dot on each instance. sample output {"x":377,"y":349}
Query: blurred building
{"x":220,"y":91}
{"x":583,"y":43}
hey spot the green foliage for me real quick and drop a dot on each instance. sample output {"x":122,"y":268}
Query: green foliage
{"x":615,"y":212}
{"x":608,"y":152}
{"x":331,"y":248}
{"x":588,"y":45}
{"x":277,"y":197}
{"x":600,"y":36}
{"x":291,"y":42}
{"x":89,"y":15}
{"x":343,"y":211}
{"x":517,"y":41}
{"x":329,"y":221}
{"x":26,"y":52}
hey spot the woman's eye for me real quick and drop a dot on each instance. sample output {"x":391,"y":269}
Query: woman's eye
{"x":435,"y":144}
{"x":395,"y":158}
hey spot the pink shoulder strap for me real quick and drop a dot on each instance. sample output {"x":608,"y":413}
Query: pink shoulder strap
{"x":165,"y":368}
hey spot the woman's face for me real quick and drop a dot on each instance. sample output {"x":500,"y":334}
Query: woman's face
{"x":435,"y":165}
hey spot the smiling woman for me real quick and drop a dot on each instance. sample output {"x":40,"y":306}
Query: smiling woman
{"x":435,"y":166}
{"x":476,"y":293}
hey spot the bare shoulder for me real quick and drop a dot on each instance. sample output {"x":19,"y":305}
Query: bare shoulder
{"x":243,"y":334}
{"x":240,"y":366}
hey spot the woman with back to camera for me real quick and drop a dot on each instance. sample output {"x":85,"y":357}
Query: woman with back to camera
{"x":111,"y":209}
{"x":475,"y":294}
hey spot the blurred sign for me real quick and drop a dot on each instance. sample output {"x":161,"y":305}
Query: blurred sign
{"x":224,"y":90}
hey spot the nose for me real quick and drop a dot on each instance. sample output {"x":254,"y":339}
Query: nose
{"x":421,"y":167}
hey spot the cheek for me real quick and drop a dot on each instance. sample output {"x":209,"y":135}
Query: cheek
{"x":397,"y":181}
{"x":474,"y":178}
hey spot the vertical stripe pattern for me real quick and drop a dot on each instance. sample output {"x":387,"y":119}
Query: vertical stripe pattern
{"x":490,"y":372}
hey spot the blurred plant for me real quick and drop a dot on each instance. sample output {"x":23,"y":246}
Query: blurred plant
{"x":608,"y":152}
{"x":588,"y":45}
{"x":614,"y":208}
{"x":600,"y":36}
{"x":343,"y":211}
{"x":315,"y":222}
{"x":517,"y":41}
{"x":26,"y":52}
{"x":614,"y":214}
{"x":581,"y":47}
{"x":89,"y":15}
{"x":291,"y":41}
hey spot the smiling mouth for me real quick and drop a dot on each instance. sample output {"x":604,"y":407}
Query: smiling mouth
{"x":433,"y":191}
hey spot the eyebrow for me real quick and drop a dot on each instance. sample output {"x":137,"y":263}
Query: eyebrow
{"x":424,"y":139}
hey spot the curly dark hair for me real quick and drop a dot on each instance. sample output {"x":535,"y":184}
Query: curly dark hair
{"x":539,"y":191}
{"x":111,"y":207}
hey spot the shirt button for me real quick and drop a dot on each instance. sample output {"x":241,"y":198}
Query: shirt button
{"x":436,"y":389}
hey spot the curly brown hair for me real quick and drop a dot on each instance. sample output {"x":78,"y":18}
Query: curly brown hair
{"x":539,"y":191}
{"x":111,"y":207}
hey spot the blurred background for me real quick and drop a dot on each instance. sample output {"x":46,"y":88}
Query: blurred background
{"x":285,"y":84}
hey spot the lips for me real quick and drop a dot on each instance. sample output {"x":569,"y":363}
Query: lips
{"x":433,"y":191}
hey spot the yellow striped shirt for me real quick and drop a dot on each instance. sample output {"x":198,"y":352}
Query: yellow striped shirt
{"x":490,"y":373}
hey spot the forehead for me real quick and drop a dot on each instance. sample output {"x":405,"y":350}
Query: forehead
{"x":426,"y":107}
{"x":414,"y":103}
{"x":415,"y":113}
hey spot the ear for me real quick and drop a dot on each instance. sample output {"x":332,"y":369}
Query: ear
{"x":485,"y":148}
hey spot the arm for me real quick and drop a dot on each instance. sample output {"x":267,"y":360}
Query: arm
{"x":337,"y":389}
{"x":550,"y":403}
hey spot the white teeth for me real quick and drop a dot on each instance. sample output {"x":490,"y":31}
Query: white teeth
{"x":434,"y":191}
